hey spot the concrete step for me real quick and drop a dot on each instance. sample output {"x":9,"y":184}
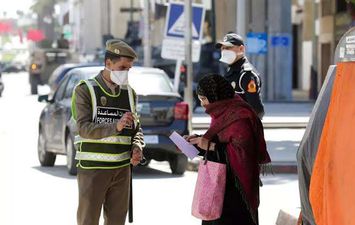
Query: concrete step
{"x":277,"y":167}
{"x":203,"y":122}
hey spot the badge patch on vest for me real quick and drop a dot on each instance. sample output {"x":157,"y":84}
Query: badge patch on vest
{"x":251,"y":87}
{"x":103,"y":100}
{"x":108,"y":115}
{"x":233,"y":84}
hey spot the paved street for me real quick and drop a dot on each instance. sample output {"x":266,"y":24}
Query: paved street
{"x":31,"y":194}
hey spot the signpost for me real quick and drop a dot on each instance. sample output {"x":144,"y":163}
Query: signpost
{"x":175,"y":30}
{"x":174,"y":36}
{"x":182,"y":40}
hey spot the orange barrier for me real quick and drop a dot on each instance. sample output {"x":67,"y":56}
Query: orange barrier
{"x":332,"y":190}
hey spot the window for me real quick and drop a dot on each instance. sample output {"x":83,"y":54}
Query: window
{"x":327,"y":7}
{"x":59,"y":94}
{"x":150,"y":83}
{"x":73,"y":81}
{"x":74,"y":78}
{"x":341,"y":6}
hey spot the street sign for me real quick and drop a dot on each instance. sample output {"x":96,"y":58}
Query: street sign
{"x":175,"y":49}
{"x":173,"y":46}
{"x":256,"y":43}
{"x":175,"y":23}
{"x":280,"y":40}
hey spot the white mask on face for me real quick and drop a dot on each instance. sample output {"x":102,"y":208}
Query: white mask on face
{"x":119,"y":77}
{"x":229,"y":56}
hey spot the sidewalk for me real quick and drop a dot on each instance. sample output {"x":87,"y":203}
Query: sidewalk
{"x":277,"y":115}
{"x":282,"y":147}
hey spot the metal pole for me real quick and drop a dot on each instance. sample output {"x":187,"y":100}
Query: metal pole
{"x":213,"y":21}
{"x":188,"y":58}
{"x":146,"y":40}
{"x":177,"y":75}
{"x":241,"y":19}
{"x":109,"y":17}
{"x":131,"y":12}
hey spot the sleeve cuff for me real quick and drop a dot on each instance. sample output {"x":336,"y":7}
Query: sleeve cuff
{"x":137,"y":146}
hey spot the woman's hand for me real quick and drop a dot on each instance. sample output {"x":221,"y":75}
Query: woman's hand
{"x":202,"y":143}
{"x":189,"y":137}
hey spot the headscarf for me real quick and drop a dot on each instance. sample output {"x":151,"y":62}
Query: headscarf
{"x":215,"y":88}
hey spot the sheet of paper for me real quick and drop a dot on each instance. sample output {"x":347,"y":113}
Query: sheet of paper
{"x":188,"y":149}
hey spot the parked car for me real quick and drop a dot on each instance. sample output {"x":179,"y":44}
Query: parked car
{"x":43,"y":62}
{"x":1,"y":85}
{"x":12,"y":67}
{"x":161,"y":111}
{"x":58,"y":74}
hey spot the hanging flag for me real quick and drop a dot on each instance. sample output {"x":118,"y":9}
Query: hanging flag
{"x":35,"y":35}
{"x":5,"y":27}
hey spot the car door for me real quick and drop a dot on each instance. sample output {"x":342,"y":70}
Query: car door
{"x":56,"y":111}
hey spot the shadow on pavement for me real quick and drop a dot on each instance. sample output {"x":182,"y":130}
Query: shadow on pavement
{"x":141,"y":172}
{"x":138,"y":172}
{"x":56,"y":171}
{"x":278,"y":179}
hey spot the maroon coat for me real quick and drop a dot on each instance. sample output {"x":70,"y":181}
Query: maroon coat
{"x":236,"y":124}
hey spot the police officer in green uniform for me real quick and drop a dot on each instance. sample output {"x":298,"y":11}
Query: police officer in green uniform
{"x":109,"y":138}
{"x":241,"y":74}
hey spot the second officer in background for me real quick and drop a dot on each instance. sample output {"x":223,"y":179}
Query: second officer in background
{"x":241,"y":74}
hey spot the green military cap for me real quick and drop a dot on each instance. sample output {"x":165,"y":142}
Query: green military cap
{"x":120,"y":48}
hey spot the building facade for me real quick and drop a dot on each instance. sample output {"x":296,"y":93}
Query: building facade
{"x":324,"y":23}
{"x":93,"y":20}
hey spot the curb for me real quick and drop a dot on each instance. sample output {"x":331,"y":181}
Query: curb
{"x":205,"y":126}
{"x":278,"y":167}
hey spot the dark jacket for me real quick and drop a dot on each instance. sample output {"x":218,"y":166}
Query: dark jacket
{"x":246,"y":83}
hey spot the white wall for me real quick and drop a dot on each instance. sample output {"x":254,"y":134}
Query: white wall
{"x":119,"y":19}
{"x":85,"y":19}
{"x":91,"y":25}
{"x":306,"y":65}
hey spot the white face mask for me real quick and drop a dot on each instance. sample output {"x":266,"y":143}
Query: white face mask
{"x":229,"y":56}
{"x":119,"y":77}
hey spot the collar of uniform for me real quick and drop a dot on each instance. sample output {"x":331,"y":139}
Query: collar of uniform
{"x":110,"y":88}
{"x":235,"y":67}
{"x":238,"y":64}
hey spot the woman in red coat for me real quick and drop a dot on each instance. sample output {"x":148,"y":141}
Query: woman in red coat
{"x":236,"y":134}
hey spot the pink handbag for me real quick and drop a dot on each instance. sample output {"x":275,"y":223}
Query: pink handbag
{"x":208,"y":198}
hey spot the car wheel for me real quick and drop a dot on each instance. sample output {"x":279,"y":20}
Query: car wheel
{"x":71,"y":162}
{"x":178,"y":164}
{"x":1,"y":88}
{"x":45,"y":158}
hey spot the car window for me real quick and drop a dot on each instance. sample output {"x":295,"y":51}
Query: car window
{"x":74,"y":79}
{"x":55,"y":74}
{"x":59,"y":94}
{"x":150,"y":83}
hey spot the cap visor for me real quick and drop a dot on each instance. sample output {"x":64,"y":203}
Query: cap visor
{"x":223,"y":43}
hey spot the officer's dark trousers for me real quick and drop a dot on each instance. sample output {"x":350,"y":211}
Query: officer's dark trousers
{"x":107,"y":188}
